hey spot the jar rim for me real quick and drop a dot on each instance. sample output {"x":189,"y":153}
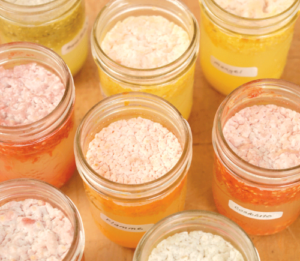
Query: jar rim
{"x":102,"y":59}
{"x":228,"y":155}
{"x":94,"y":179}
{"x":251,"y":26}
{"x":77,"y":245}
{"x":68,"y":96}
{"x":194,"y":216}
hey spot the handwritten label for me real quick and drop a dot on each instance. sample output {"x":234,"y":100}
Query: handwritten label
{"x":233,"y":70}
{"x":68,"y":47}
{"x":254,"y":214}
{"x":125,"y":227}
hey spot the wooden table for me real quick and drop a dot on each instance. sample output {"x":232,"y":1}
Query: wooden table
{"x":284,"y":246}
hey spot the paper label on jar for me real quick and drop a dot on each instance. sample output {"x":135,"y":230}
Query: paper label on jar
{"x":125,"y":227}
{"x":68,"y":47}
{"x":233,"y":70}
{"x":254,"y":214}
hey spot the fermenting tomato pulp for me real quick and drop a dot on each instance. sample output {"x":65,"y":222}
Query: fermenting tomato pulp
{"x":126,"y":222}
{"x":259,"y":210}
{"x":162,"y":59}
{"x":37,"y":126}
{"x":133,"y":152}
{"x":256,"y":179}
{"x":49,"y":158}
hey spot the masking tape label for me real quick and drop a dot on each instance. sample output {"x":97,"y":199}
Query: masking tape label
{"x":233,"y":70}
{"x":125,"y":227}
{"x":254,"y":214}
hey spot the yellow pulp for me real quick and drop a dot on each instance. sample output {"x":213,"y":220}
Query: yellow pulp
{"x":267,"y":53}
{"x":136,"y":212}
{"x":179,"y":92}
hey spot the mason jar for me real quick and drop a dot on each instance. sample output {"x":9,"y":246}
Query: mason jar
{"x":60,"y":25}
{"x":174,"y":81}
{"x":262,"y":201}
{"x":196,"y":220}
{"x":43,"y":149}
{"x":21,"y":189}
{"x":124,"y":212}
{"x":235,"y":50}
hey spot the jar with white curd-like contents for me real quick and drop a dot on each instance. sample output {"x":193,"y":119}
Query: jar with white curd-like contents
{"x":133,"y":152}
{"x":245,"y":40}
{"x":196,"y":235}
{"x":256,"y":139}
{"x":37,"y":125}
{"x":38,"y":222}
{"x":60,"y":25}
{"x":147,"y":46}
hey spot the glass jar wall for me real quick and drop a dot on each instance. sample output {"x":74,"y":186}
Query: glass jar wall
{"x":235,"y":50}
{"x":125,"y":212}
{"x":262,"y":201}
{"x":22,"y":189}
{"x":174,"y":81}
{"x":60,"y":25}
{"x":196,"y":220}
{"x":43,"y":149}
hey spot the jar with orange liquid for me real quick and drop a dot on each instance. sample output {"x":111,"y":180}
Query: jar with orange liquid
{"x":262,"y":201}
{"x":124,"y":212}
{"x":43,"y":149}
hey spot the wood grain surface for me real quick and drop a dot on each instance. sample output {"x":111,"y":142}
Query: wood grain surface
{"x":284,"y":246}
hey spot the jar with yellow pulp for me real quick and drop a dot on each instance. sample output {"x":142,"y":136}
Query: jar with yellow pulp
{"x":60,"y":25}
{"x":124,"y":212}
{"x":235,"y":49}
{"x":143,"y":58}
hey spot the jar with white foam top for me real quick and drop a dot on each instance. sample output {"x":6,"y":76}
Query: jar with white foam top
{"x":147,"y":46}
{"x":125,"y":200}
{"x":45,"y":222}
{"x":256,"y":171}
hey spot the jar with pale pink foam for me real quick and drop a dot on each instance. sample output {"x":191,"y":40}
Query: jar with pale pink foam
{"x":36,"y":114}
{"x":133,"y":152}
{"x":257,"y":161}
{"x":38,"y":222}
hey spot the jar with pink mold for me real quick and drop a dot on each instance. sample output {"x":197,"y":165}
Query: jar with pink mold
{"x":36,"y":114}
{"x":133,"y":152}
{"x":257,"y":161}
{"x":45,"y":222}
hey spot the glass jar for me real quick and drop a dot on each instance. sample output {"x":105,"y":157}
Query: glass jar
{"x":60,"y":25}
{"x":173,"y":82}
{"x":235,"y":50}
{"x":43,"y":149}
{"x":125,"y":212}
{"x":262,"y":201}
{"x":195,"y":220}
{"x":21,"y":189}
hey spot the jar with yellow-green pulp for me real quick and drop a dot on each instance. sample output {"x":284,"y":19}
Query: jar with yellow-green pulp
{"x":60,"y":25}
{"x":174,"y":81}
{"x":235,"y":50}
